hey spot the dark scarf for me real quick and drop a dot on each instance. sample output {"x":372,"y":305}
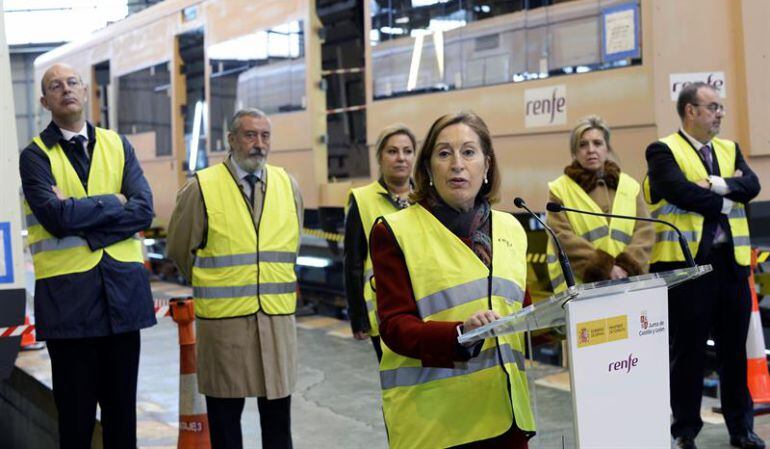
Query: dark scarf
{"x":588,"y":180}
{"x":472,"y":227}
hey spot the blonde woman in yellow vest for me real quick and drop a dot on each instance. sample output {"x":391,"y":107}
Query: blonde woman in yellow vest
{"x":447,"y":265}
{"x":85,"y":200}
{"x":395,"y":156}
{"x":598,"y":248}
{"x":235,"y":234}
{"x":701,"y":183}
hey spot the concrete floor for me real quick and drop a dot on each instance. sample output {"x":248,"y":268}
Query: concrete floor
{"x":336,"y":404}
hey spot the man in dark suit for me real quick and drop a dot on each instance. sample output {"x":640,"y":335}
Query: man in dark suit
{"x":85,"y":199}
{"x":702,"y":183}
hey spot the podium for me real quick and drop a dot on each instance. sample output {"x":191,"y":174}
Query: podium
{"x":617,"y":333}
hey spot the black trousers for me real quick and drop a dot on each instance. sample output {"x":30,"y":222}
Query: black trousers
{"x":225,"y":422}
{"x":377,"y":344}
{"x":87,"y":371}
{"x":717,"y":304}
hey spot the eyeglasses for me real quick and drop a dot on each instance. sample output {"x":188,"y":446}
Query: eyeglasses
{"x":713,"y":107}
{"x":58,"y":85}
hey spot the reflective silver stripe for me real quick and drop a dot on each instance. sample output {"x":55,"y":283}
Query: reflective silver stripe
{"x":667,"y":209}
{"x":54,"y":244}
{"x":741,"y":241}
{"x":596,"y":234}
{"x":370,"y":305}
{"x":737,"y":213}
{"x":244,"y":259}
{"x":620,"y":236}
{"x":269,"y":288}
{"x":551,"y":258}
{"x":470,"y":291}
{"x":32,"y":220}
{"x":671,"y":236}
{"x":415,"y":375}
{"x":368,"y":274}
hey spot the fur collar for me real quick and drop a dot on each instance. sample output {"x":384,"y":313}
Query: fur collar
{"x":588,"y":180}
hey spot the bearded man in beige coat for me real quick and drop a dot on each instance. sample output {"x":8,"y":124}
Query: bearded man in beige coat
{"x":235,"y":234}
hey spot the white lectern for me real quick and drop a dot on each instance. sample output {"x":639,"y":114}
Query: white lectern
{"x":617,"y":334}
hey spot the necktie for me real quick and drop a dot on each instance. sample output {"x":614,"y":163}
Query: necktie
{"x":252,"y":180}
{"x":78,"y":142}
{"x":705,"y":151}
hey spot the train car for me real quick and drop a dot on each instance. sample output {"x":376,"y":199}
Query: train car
{"x":332,"y":74}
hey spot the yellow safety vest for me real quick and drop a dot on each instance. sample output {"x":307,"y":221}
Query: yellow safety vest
{"x":242,"y":269}
{"x":443,"y":407}
{"x":372,"y":203}
{"x":611,"y":238}
{"x":666,"y":248}
{"x":55,"y":257}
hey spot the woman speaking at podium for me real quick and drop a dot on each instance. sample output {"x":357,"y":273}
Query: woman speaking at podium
{"x":598,"y":248}
{"x":447,"y":265}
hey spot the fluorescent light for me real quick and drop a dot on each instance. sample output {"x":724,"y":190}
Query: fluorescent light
{"x":414,"y":67}
{"x":392,"y":30}
{"x":196,"y":135}
{"x":314,"y":262}
{"x":404,"y":19}
{"x":438,"y":44}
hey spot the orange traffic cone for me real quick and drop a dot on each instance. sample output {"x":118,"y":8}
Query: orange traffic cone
{"x":193,"y":420}
{"x":758,"y":376}
{"x":28,"y":341}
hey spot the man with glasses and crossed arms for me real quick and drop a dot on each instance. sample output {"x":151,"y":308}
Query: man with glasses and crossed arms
{"x":85,"y":199}
{"x":701,"y":184}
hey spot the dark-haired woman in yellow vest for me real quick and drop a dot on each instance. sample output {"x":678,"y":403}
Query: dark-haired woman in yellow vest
{"x":395,"y":156}
{"x":446,"y":265}
{"x":598,"y":248}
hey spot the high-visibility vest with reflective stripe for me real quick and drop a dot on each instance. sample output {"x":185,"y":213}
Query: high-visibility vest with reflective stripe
{"x":443,"y":407}
{"x":372,"y":203}
{"x":55,"y":257}
{"x":611,"y":238}
{"x":241,"y":271}
{"x":666,"y":247}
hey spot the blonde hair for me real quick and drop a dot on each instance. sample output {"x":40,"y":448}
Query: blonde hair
{"x":584,"y":124}
{"x":390,"y":131}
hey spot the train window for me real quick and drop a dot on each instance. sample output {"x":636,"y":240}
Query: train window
{"x":421,"y":46}
{"x":265,"y":70}
{"x":144,"y":105}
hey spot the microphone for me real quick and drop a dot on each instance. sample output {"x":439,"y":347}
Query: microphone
{"x":569,"y":278}
{"x":556,"y":207}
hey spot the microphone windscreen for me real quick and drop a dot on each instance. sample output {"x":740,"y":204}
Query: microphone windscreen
{"x":519,"y":202}
{"x":553,"y":207}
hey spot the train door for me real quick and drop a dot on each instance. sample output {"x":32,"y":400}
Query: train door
{"x":343,"y":70}
{"x":100,"y":94}
{"x":194,"y":109}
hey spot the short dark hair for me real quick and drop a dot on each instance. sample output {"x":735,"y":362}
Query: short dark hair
{"x":423,"y":189}
{"x":689,"y":95}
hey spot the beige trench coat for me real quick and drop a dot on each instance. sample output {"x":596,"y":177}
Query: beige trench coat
{"x":253,"y":356}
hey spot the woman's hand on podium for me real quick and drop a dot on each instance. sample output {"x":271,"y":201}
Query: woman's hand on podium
{"x":479,"y":319}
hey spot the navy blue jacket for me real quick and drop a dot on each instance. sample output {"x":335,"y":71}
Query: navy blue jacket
{"x":668,"y":181}
{"x":113,"y":297}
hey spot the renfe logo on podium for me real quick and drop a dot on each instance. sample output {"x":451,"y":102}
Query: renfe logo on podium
{"x":618,"y":345}
{"x":624,"y":365}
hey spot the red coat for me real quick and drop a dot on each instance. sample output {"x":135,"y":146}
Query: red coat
{"x":434,"y":343}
